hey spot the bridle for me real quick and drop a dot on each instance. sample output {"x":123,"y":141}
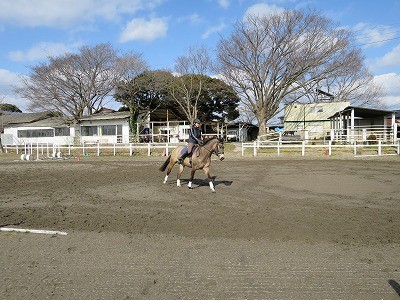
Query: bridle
{"x":215,"y":151}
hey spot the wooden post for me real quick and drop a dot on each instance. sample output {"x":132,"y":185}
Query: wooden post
{"x":379,"y":147}
{"x":279,"y":148}
{"x":330,"y":148}
{"x":355,"y":148}
{"x":303,"y":148}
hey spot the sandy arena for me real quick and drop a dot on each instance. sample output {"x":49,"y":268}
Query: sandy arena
{"x":276,"y":228}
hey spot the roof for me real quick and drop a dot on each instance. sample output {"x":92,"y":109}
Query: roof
{"x":107,"y":116}
{"x":363,"y":112}
{"x":20,"y":119}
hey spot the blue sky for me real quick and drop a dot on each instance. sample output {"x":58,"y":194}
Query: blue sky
{"x":162,"y":30}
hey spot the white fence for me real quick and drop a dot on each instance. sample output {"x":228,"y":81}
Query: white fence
{"x":359,"y":148}
{"x":36,"y":150}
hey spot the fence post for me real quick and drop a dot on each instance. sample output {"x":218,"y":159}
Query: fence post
{"x":166,"y":149}
{"x":18,"y":151}
{"x":355,"y":148}
{"x":37,"y":150}
{"x":398,"y":147}
{"x":130,"y":149}
{"x":114,"y":149}
{"x":255,"y":149}
{"x":148,"y":149}
{"x":279,"y":148}
{"x":303,"y":148}
{"x":243,"y":148}
{"x":330,"y":148}
{"x":379,"y":147}
{"x":98,"y":148}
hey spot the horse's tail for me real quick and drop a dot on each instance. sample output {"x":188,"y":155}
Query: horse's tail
{"x":165,"y":164}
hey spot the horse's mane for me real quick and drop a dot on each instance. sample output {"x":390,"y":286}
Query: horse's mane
{"x":206,"y":141}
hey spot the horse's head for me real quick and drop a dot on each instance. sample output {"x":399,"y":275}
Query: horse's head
{"x":219,"y":149}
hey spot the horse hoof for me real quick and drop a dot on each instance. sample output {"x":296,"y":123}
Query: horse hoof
{"x":190,"y":188}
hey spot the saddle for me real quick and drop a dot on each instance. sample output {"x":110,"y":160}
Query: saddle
{"x":195,"y":150}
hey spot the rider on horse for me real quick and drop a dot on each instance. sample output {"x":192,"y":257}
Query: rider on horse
{"x":194,"y":139}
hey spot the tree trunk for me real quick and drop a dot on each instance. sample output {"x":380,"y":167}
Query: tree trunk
{"x":262,"y":129}
{"x":133,"y":116}
{"x":1,"y":145}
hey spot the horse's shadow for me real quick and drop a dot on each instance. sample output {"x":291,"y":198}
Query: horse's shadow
{"x":204,"y":182}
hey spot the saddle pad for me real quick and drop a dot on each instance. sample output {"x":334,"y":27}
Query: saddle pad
{"x":184,"y":150}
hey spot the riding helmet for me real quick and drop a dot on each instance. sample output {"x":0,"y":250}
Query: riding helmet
{"x":196,"y":121}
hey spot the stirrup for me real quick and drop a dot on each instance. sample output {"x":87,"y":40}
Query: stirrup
{"x":180,"y":160}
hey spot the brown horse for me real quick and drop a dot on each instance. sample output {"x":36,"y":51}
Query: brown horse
{"x":201,"y":159}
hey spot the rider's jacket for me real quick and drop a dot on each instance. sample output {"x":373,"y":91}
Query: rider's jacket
{"x":194,"y":135}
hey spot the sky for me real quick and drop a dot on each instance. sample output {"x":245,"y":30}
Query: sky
{"x":163,"y":30}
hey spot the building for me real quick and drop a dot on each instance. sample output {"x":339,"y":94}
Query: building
{"x":313,"y":118}
{"x":104,"y":127}
{"x":362,"y":124}
{"x":44,"y":127}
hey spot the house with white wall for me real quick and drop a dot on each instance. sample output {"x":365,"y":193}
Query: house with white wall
{"x":44,"y":127}
{"x":311,"y":117}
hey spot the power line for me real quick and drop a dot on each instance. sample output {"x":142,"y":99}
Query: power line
{"x":377,"y":42}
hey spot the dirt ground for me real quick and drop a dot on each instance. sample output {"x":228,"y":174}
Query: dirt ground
{"x":276,"y":228}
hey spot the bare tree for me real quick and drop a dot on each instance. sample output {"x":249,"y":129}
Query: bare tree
{"x":76,"y":84}
{"x":283,"y":57}
{"x":187,"y":89}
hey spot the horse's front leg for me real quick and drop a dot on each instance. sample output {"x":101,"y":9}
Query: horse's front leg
{"x":207,"y":172}
{"x":192,"y":171}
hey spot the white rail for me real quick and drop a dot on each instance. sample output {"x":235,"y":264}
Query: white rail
{"x":51,"y":150}
{"x":358,"y":147}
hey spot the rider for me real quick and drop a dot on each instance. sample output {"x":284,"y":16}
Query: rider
{"x":194,"y":139}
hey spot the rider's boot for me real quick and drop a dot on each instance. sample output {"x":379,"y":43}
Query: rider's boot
{"x":182,"y":158}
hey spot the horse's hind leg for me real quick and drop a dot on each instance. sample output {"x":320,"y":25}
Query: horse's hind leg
{"x":169,"y":169}
{"x":178,"y":177}
{"x":207,"y":172}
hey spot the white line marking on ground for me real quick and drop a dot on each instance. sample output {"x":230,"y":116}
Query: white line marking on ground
{"x":32,"y":231}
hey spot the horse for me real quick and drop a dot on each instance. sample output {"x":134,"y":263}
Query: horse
{"x":200,"y":159}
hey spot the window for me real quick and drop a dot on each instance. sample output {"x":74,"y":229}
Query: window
{"x":35,"y":133}
{"x":61,"y":131}
{"x":316,"y":109}
{"x":108,"y":130}
{"x":89,"y":130}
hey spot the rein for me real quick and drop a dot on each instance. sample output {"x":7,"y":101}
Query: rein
{"x":210,"y":151}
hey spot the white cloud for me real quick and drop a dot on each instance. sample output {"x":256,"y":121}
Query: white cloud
{"x":67,"y":13}
{"x":391,"y":84}
{"x":42,"y":50}
{"x":7,"y":81}
{"x":390,"y":59}
{"x":193,"y":19}
{"x":140,"y":29}
{"x":212,"y":30}
{"x":262,"y":9}
{"x":223,"y":3}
